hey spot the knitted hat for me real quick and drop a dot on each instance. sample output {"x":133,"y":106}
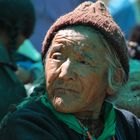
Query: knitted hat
{"x":96,"y":16}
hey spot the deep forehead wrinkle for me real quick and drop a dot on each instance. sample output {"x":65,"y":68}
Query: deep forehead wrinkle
{"x":76,"y":36}
{"x":69,"y":37}
{"x":66,"y":40}
{"x":80,"y":33}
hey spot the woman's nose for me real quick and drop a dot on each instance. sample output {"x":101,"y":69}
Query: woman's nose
{"x":67,"y":71}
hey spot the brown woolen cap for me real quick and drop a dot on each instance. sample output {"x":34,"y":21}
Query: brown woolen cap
{"x":96,"y":16}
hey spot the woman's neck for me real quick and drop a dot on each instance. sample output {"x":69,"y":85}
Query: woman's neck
{"x":95,"y":126}
{"x":93,"y":120}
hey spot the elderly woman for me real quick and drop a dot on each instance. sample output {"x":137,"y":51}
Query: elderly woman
{"x":85,"y":59}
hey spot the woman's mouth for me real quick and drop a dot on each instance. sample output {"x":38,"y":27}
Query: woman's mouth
{"x":65,"y":90}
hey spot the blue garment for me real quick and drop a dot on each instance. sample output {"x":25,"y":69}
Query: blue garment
{"x":124,"y":13}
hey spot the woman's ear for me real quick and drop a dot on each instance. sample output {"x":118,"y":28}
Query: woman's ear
{"x":118,"y":76}
{"x":116,"y":81}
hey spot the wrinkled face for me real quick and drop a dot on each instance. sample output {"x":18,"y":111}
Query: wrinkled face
{"x":76,"y":70}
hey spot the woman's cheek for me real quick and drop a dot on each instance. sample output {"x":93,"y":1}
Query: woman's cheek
{"x":52,"y":71}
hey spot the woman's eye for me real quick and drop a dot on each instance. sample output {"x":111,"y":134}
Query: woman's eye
{"x":83,"y":62}
{"x":57,"y":56}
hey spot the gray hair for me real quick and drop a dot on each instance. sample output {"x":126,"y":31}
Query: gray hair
{"x":114,"y":65}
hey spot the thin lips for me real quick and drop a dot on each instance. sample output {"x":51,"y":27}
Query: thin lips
{"x":67,"y":89}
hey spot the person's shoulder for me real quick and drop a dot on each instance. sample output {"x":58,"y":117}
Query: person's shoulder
{"x":127,"y":115}
{"x":32,"y":121}
{"x":128,"y":124}
{"x":29,"y":107}
{"x":25,"y":121}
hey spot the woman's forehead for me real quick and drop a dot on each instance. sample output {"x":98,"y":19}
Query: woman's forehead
{"x":80,"y":41}
{"x":79,"y":35}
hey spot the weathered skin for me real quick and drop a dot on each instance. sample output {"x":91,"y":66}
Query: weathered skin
{"x":76,"y":72}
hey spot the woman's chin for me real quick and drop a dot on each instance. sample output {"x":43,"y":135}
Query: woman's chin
{"x":58,"y":104}
{"x":61,"y":106}
{"x":57,"y":101}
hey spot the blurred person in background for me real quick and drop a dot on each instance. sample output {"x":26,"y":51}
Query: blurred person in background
{"x":134,"y":43}
{"x":28,"y":60}
{"x":17,"y":19}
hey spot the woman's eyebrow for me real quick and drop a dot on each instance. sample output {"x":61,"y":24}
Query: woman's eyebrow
{"x":56,"y":48}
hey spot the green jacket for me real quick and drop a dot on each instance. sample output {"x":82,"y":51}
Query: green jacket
{"x":11,"y":89}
